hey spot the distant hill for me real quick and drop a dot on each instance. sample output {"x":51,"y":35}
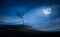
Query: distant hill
{"x":17,"y":27}
{"x":21,"y":28}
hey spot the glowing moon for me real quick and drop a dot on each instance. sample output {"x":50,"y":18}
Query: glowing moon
{"x":47,"y":11}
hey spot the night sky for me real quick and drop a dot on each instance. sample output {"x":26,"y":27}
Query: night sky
{"x":32,"y":12}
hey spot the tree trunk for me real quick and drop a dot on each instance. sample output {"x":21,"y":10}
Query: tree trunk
{"x":23,"y":23}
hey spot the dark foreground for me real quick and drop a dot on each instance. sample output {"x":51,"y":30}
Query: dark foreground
{"x":14,"y":31}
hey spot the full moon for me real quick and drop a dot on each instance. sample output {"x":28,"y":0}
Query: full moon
{"x":47,"y":11}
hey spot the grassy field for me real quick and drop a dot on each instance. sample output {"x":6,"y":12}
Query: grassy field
{"x":20,"y":28}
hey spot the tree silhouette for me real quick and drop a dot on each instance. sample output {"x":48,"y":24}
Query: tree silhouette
{"x":21,"y":16}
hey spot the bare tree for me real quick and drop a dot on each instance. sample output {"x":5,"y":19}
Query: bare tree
{"x":21,"y":16}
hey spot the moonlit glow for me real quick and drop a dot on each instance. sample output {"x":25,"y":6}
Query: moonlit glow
{"x":47,"y":11}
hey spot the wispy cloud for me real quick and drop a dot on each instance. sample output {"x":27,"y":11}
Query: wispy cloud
{"x":5,"y":19}
{"x":42,"y":22}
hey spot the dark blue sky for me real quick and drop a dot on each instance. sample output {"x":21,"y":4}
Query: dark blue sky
{"x":32,"y":12}
{"x":10,"y":7}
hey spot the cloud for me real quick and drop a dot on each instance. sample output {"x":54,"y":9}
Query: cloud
{"x":11,"y":20}
{"x":36,"y":19}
